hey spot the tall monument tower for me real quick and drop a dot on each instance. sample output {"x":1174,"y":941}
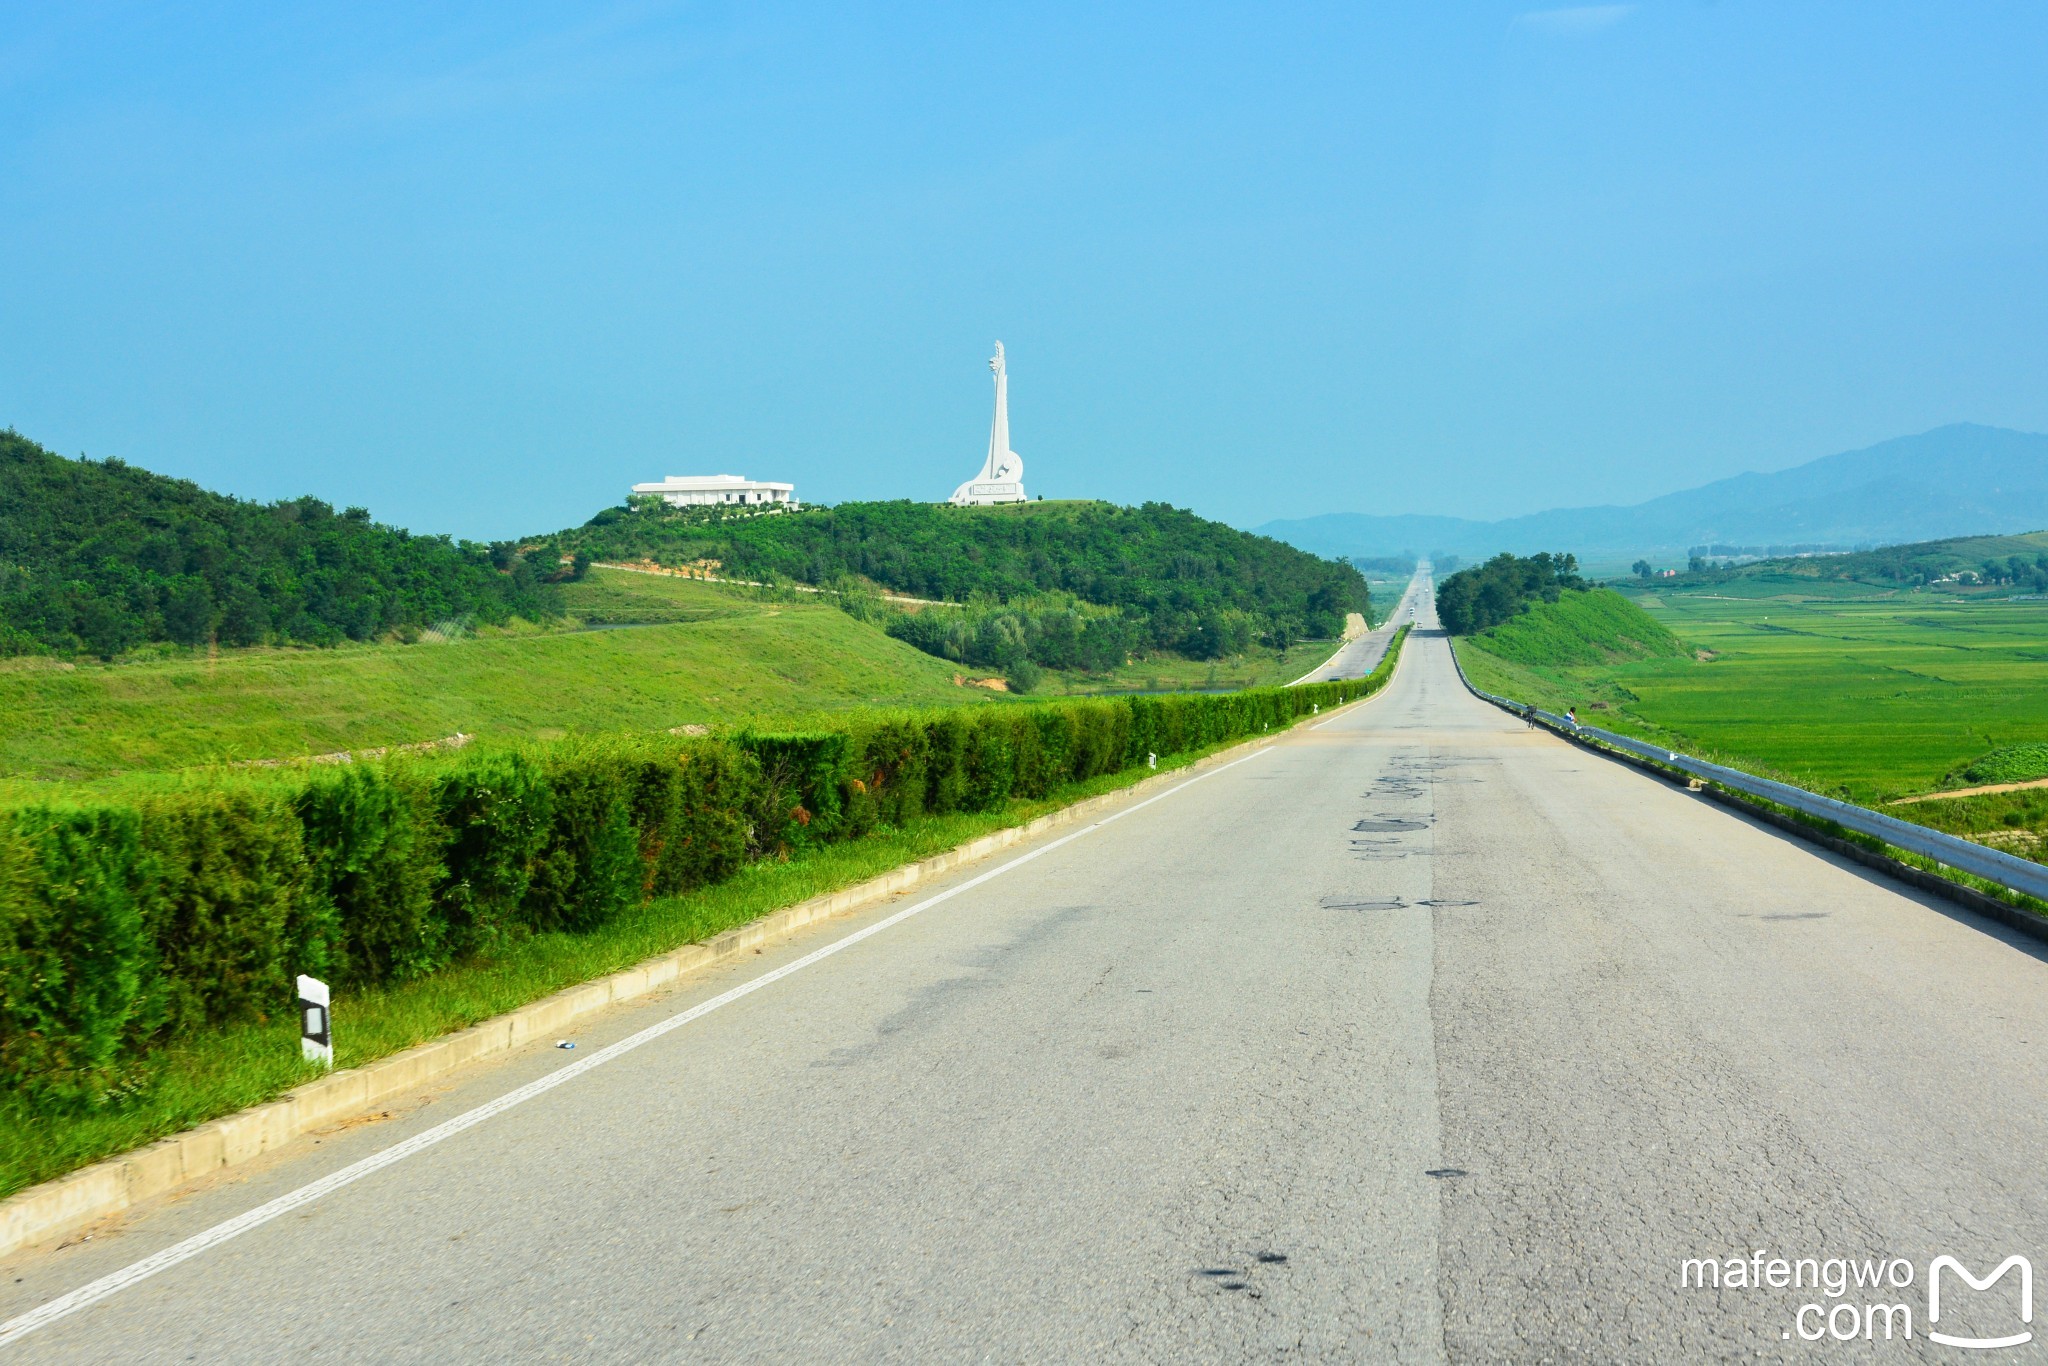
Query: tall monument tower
{"x":1002,"y":475}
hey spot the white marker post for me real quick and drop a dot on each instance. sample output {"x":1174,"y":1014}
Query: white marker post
{"x":316,"y":1025}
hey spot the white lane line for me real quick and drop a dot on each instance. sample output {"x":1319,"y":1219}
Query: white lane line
{"x":64,"y":1305}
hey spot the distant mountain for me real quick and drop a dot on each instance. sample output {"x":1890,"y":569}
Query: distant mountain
{"x":1953,"y":481}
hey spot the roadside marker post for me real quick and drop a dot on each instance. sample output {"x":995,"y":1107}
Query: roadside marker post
{"x":316,"y":1023}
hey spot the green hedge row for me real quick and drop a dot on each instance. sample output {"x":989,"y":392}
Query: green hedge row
{"x":121,"y":923}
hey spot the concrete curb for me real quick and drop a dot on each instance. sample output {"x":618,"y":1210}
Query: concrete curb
{"x":70,"y":1203}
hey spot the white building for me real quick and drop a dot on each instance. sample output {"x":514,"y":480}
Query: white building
{"x":717,"y":490}
{"x":1002,"y":475}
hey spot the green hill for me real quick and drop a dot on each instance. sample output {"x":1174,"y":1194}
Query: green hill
{"x":195,"y":604}
{"x":1133,"y":579}
{"x":98,"y":557}
{"x":1484,"y":596}
{"x":1583,"y":626}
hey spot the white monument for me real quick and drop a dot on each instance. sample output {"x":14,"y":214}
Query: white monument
{"x":1002,"y":475}
{"x":727,"y":490}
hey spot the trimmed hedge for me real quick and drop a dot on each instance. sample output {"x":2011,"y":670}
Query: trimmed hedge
{"x":122,"y":922}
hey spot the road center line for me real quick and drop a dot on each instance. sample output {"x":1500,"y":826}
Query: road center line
{"x":65,"y":1305}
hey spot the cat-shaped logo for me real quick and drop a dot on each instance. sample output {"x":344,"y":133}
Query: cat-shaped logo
{"x":1982,"y":1344}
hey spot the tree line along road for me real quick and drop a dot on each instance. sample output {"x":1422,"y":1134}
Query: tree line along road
{"x":1417,"y":1035}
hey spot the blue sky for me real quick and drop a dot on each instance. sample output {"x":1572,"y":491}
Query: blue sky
{"x":481,"y":267}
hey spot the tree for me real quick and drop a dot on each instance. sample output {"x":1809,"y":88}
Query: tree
{"x":1484,"y":596}
{"x":103,"y":556}
{"x":1642,"y":568}
{"x":1089,"y":581}
{"x":188,"y":615}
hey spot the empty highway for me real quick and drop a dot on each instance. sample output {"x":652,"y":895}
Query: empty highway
{"x":1358,"y":658}
{"x":1416,"y":1035}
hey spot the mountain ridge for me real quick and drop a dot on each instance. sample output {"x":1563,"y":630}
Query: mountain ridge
{"x":1960,"y":479}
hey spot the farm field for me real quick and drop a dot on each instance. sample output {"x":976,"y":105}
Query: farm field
{"x":721,"y":656}
{"x":1838,"y":686}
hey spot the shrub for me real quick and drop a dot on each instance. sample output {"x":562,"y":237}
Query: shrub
{"x":121,"y":922}
{"x":77,"y":986}
{"x":588,"y":868}
{"x":495,"y":815}
{"x":374,"y":843}
{"x":2011,"y":764}
{"x":223,"y":892}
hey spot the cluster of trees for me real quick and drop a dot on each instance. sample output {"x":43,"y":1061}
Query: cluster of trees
{"x":99,"y":557}
{"x":1021,"y":637}
{"x":1717,"y":550}
{"x":1991,"y":561}
{"x":2017,"y":571}
{"x":1477,"y":599}
{"x":1643,"y":569}
{"x":1177,"y":582}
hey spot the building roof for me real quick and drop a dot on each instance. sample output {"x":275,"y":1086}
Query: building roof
{"x":707,"y":483}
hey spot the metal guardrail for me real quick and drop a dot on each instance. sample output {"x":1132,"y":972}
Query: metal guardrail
{"x":1993,"y":865}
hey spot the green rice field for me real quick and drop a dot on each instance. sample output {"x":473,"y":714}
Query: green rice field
{"x":1841,"y":687}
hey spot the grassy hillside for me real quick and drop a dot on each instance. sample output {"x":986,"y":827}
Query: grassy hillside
{"x":98,"y":557}
{"x":1175,"y":581}
{"x":741,"y":657}
{"x":1583,"y":627}
{"x":619,"y":597}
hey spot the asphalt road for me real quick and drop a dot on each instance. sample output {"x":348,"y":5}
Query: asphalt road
{"x":1416,"y":1036}
{"x":1357,"y":658}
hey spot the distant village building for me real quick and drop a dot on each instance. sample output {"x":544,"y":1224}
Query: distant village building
{"x":717,"y":490}
{"x":1002,"y":475}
